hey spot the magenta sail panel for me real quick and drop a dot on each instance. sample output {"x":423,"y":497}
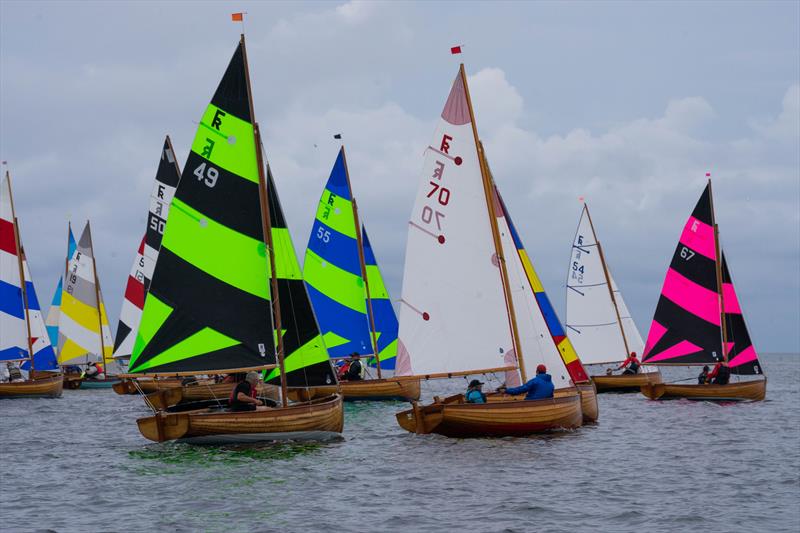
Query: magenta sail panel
{"x":686,"y":324}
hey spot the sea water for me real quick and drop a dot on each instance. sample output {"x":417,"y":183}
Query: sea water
{"x":78,"y":463}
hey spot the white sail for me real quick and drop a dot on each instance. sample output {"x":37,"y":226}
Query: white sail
{"x":592,"y":323}
{"x":13,"y":329}
{"x":536,"y":343}
{"x":453,"y":315}
{"x":634,"y":338}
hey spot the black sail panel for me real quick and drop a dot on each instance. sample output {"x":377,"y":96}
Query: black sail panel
{"x":686,"y":325}
{"x":209,"y":306}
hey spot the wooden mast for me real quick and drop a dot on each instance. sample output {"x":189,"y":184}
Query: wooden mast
{"x":718,"y":265}
{"x":267,"y":229}
{"x":18,"y":246}
{"x":97,"y":297}
{"x":362,"y":262}
{"x":608,"y":282}
{"x":489,"y":193}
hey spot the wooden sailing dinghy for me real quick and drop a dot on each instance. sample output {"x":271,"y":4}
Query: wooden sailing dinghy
{"x":209,"y":309}
{"x":698,"y":319}
{"x":349,"y":297}
{"x":84,"y":334}
{"x":464,"y":276}
{"x":598,"y":321}
{"x":23,"y":337}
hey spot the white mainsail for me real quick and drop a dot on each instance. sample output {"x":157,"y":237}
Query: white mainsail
{"x":13,"y":329}
{"x":594,"y":322}
{"x":453,"y":313}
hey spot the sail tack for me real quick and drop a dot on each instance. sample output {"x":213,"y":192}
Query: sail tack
{"x":209,"y":304}
{"x":687,"y":325}
{"x":167,"y":177}
{"x":453,"y":315}
{"x":596,"y":323}
{"x":542,"y":337}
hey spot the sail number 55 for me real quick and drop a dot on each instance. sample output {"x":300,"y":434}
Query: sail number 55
{"x":206,"y":175}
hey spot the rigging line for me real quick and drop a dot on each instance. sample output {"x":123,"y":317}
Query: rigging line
{"x":576,"y":290}
{"x":583,"y":247}
{"x":410,"y":223}
{"x":592,"y":325}
{"x":448,"y":156}
{"x":588,"y":285}
{"x":573,"y":329}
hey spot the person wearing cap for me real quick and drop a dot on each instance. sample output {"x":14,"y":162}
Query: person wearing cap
{"x":537,"y":388}
{"x":633,"y":362}
{"x":355,"y":370}
{"x":474,"y":393}
{"x":702,"y":379}
{"x":244,"y":397}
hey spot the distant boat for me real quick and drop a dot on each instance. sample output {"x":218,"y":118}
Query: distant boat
{"x":167,"y":177}
{"x":209,"y":309}
{"x":598,"y":321}
{"x":698,"y":319}
{"x":348,"y":294}
{"x":457,"y":313}
{"x":23,"y":336}
{"x":84,"y":335}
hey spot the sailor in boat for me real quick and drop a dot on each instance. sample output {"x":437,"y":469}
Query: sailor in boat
{"x":355,"y":371}
{"x":244,"y":396}
{"x":702,"y":379}
{"x":474,"y":393}
{"x":537,"y":388}
{"x":14,"y":374}
{"x":633,"y":361}
{"x":94,"y":371}
{"x":721,"y":374}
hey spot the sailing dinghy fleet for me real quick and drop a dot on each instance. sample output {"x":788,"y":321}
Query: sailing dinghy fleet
{"x":216,"y":289}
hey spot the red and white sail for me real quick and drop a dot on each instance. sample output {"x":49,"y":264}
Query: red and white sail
{"x":453,"y":313}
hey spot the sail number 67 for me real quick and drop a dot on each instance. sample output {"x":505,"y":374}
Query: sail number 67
{"x":686,"y":253}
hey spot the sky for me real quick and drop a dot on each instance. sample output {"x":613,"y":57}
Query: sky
{"x":625,"y":104}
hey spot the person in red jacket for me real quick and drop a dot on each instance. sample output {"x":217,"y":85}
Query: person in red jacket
{"x":633,"y":362}
{"x":721,"y":374}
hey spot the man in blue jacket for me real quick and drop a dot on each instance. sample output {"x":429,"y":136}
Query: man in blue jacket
{"x":538,"y":388}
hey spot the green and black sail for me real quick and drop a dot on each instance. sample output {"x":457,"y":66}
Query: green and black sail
{"x":306,"y":357}
{"x":208,"y":308}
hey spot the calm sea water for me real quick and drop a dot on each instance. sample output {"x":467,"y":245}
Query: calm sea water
{"x":79,"y":464}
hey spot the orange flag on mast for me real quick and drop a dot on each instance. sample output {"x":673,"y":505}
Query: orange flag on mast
{"x":237,"y":17}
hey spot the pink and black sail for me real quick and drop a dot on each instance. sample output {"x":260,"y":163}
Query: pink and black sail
{"x":687,"y":326}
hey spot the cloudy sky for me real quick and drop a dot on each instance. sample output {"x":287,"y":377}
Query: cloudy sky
{"x":627,"y":104}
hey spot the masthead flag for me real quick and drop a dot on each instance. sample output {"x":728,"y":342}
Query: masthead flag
{"x":455,"y":49}
{"x":237,"y":17}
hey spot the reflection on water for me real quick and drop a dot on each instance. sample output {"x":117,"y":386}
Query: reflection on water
{"x":647,"y":465}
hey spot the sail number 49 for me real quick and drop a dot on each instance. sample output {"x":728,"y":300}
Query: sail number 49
{"x":206,"y":175}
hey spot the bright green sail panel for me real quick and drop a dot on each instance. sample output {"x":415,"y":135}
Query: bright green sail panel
{"x":209,"y":306}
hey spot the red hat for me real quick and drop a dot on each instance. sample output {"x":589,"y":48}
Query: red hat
{"x":541,"y":369}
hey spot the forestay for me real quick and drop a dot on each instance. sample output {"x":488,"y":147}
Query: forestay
{"x":453,"y":314}
{"x":167,"y":177}
{"x":541,"y":335}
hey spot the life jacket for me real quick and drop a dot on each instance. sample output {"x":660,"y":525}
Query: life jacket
{"x":99,"y":368}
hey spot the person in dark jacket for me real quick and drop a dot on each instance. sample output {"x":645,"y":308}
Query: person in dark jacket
{"x":244,"y":396}
{"x":536,"y":389}
{"x":474,"y":393}
{"x":355,"y":369}
{"x":721,"y":374}
{"x":702,"y":379}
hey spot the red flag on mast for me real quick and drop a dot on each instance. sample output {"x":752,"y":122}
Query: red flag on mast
{"x":455,"y":49}
{"x":237,"y":17}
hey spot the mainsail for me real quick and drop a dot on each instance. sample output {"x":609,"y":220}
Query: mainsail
{"x":209,"y":306}
{"x":334,"y":275}
{"x":598,"y":321}
{"x":687,"y":325}
{"x":167,"y":178}
{"x":54,"y":311}
{"x":44,"y":358}
{"x":542,"y":337}
{"x":13,"y":327}
{"x":305,"y":356}
{"x":453,"y":314}
{"x":80,"y":339}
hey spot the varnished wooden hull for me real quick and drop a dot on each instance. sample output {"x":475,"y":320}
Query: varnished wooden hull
{"x":452,"y":417}
{"x":626,"y":382}
{"x":41,"y":387}
{"x":366,"y":390}
{"x":72,"y":381}
{"x":107,"y":383}
{"x":126,"y":386}
{"x":754,"y":390}
{"x":319,"y":420}
{"x":589,"y":407}
{"x":164,"y":398}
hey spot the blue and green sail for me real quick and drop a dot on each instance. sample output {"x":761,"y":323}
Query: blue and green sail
{"x":333,"y":275}
{"x":209,"y":305}
{"x":54,"y":312}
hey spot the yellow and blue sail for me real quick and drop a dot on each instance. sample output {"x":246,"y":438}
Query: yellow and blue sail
{"x":55,"y":305}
